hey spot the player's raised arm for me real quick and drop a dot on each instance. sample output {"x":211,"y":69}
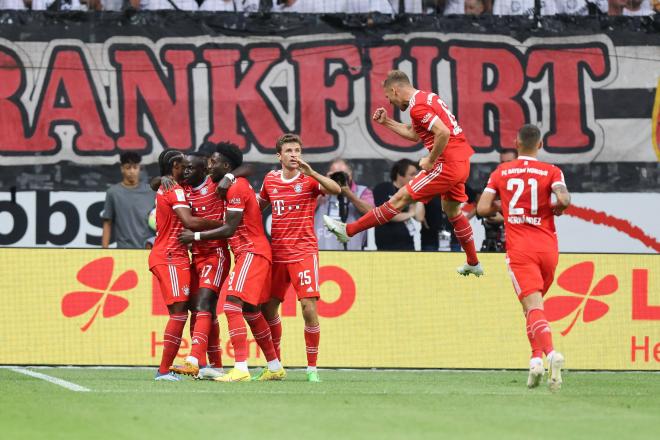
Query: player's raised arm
{"x":191,"y":222}
{"x":328,"y":186}
{"x":232,"y":220}
{"x":404,"y":130}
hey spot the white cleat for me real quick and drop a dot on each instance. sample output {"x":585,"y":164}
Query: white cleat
{"x":466,"y":270}
{"x":555,"y":364}
{"x":536,"y":371}
{"x":336,"y":227}
{"x":168,"y":377}
{"x":209,"y":373}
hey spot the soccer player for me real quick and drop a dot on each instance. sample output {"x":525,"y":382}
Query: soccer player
{"x":292,"y":193}
{"x":168,"y":260}
{"x":210,"y":266}
{"x":525,"y":187}
{"x":248,"y":284}
{"x":444,"y":170}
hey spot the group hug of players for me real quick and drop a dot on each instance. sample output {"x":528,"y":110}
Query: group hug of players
{"x":204,"y":200}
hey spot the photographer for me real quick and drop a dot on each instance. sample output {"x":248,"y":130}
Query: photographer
{"x":495,"y":238}
{"x":353,"y":202}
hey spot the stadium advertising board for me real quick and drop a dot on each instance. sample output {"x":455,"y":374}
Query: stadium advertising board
{"x":597,"y":222}
{"x":378,"y":310}
{"x":67,"y":99}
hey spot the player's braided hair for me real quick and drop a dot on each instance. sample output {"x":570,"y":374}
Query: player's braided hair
{"x":167,"y":159}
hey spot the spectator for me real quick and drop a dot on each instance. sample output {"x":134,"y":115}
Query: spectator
{"x":397,"y":235}
{"x":156,"y":5}
{"x":383,"y":6}
{"x":127,"y":207}
{"x":468,"y":7}
{"x":572,"y":7}
{"x":309,"y":6}
{"x":638,"y":8}
{"x":230,"y":5}
{"x":351,"y":204}
{"x":523,"y":7}
{"x":432,"y":224}
{"x":656,"y":6}
{"x":57,"y":5}
{"x":508,"y":154}
{"x":15,"y":5}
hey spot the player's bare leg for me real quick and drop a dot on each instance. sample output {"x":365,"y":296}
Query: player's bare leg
{"x":540,"y":337}
{"x":376,"y":217}
{"x":272,"y":315}
{"x":463,"y":232}
{"x":312,"y":336}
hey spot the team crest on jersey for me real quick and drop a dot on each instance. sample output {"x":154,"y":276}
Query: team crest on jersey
{"x":298,"y":187}
{"x":204,"y":191}
{"x":186,"y":290}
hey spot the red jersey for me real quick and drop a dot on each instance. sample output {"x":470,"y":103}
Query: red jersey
{"x":205,"y":203}
{"x":249,"y":235}
{"x":167,"y":249}
{"x":425,"y":109}
{"x":525,"y":189}
{"x":293,"y":203}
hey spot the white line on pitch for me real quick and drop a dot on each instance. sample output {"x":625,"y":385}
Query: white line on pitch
{"x":61,"y":382}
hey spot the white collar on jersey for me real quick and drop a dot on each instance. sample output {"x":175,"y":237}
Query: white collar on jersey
{"x":411,"y":102}
{"x":289,"y":180}
{"x":527,"y":158}
{"x":201,"y":184}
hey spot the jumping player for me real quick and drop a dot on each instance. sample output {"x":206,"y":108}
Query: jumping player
{"x":168,"y":260}
{"x":525,"y":187}
{"x":444,"y":171}
{"x":248,"y":284}
{"x":292,"y":193}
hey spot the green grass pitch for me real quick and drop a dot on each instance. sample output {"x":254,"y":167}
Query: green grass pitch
{"x":128,"y":404}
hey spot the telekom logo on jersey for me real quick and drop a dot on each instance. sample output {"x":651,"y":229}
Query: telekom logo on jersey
{"x":278,"y":207}
{"x":578,"y":280}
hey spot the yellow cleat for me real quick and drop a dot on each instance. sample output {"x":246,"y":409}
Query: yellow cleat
{"x":188,"y":368}
{"x":234,"y":375}
{"x":266,"y":374}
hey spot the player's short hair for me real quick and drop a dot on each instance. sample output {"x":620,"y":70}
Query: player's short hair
{"x":231,"y":152}
{"x":529,"y":136}
{"x":285,"y":139}
{"x":167,"y":159}
{"x":395,"y":77}
{"x":400,"y":167}
{"x":129,"y":157}
{"x":199,"y":154}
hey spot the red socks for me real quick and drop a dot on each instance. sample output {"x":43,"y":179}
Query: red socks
{"x":312,"y":336}
{"x":463,"y":232}
{"x":376,"y":217}
{"x":539,"y":332}
{"x":237,"y":331}
{"x":172,"y":340}
{"x":261,"y":333}
{"x":275,"y":325}
{"x":215,"y":350}
{"x":200,"y":337}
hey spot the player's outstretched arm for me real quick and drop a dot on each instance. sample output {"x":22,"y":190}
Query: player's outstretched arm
{"x":232,"y":220}
{"x":563,"y":198}
{"x":487,"y":206}
{"x":404,"y":130}
{"x":195,"y":223}
{"x":328,"y":186}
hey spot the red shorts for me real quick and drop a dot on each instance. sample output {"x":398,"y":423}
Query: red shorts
{"x":250,"y":279}
{"x":531,"y":271}
{"x":446,"y":179}
{"x":302,"y":275}
{"x":209,"y":271}
{"x":174,"y":282}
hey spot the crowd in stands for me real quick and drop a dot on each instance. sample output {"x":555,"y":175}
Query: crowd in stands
{"x":392,"y":7}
